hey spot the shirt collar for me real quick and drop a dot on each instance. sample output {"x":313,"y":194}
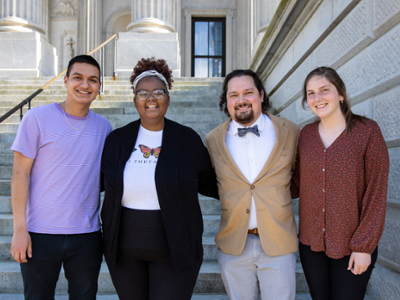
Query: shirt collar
{"x":260,"y":122}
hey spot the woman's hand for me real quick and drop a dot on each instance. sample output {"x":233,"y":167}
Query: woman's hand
{"x":359,"y":262}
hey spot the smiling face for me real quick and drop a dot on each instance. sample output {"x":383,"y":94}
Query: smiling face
{"x":323,"y":98}
{"x":152,"y":111}
{"x":83,"y":84}
{"x":243,"y":100}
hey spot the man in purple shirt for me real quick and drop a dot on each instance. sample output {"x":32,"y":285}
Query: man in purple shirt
{"x":55,"y":189}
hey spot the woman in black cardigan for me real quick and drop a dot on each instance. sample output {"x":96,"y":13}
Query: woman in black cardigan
{"x":153,"y":170}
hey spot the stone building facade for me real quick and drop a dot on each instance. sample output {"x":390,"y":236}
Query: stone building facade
{"x":281,"y":40}
{"x":361,"y":40}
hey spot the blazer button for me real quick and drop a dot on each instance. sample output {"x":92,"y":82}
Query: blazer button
{"x":252,"y":187}
{"x":248,"y":211}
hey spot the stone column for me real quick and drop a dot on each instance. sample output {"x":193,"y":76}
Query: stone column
{"x":24,"y":15}
{"x":89,"y":34}
{"x":151,"y":16}
{"x":24,"y":46}
{"x":150,"y":33}
{"x":243,"y":35}
{"x":264,"y":11}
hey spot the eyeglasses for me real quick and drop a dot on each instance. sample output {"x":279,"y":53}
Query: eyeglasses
{"x":143,"y":95}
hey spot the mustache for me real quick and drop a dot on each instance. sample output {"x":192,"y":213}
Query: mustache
{"x":242,"y":105}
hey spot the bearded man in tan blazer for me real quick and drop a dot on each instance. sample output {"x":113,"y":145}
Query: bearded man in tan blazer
{"x":252,"y":154}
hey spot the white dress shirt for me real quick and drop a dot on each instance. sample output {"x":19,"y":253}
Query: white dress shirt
{"x":250,"y":153}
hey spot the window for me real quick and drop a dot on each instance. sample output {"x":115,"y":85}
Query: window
{"x":208,"y":47}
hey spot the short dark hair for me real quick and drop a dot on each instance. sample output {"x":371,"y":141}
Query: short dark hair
{"x":257,"y":82}
{"x":333,"y":77}
{"x":87,"y":59}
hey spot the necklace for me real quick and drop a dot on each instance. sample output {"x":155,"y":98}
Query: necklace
{"x":66,"y":119}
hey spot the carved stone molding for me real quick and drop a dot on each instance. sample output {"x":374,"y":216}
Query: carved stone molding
{"x":65,"y":8}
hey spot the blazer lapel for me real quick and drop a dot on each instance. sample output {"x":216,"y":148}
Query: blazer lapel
{"x":281,"y":133}
{"x":223,"y":150}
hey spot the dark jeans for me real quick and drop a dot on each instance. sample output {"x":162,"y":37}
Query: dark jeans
{"x":329,"y":279}
{"x":144,"y":268}
{"x":80,"y":255}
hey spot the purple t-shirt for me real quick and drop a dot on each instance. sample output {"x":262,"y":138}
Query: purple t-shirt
{"x":64,"y":189}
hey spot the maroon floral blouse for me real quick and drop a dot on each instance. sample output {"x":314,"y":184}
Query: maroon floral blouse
{"x":342,"y":189}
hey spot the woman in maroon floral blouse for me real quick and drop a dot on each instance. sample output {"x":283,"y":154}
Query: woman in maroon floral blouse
{"x":341,"y":178}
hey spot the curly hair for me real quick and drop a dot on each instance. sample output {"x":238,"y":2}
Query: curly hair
{"x":257,"y":82}
{"x":159,"y":65}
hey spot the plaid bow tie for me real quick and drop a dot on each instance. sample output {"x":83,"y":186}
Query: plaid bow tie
{"x":243,"y":131}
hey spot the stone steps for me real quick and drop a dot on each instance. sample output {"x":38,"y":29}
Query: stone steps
{"x":108,"y":90}
{"x":11,"y":100}
{"x":5,"y":204}
{"x":209,"y":280}
{"x":200,"y":121}
{"x":299,"y":296}
{"x":115,"y":297}
{"x":211,"y":223}
{"x":194,"y":102}
{"x":210,"y":248}
{"x":127,"y":109}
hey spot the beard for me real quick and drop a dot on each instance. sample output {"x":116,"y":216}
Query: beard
{"x":244,"y":118}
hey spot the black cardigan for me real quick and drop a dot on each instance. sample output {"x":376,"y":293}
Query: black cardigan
{"x":183,"y":170}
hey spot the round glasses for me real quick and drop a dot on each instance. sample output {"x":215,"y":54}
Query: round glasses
{"x":143,"y":95}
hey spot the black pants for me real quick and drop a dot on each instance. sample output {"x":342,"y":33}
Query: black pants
{"x":80,"y":255}
{"x":144,"y":268}
{"x":329,"y":279}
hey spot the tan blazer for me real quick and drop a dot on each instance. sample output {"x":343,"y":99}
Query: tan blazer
{"x":271,"y":191}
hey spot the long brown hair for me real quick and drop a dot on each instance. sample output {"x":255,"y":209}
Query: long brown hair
{"x":333,"y":77}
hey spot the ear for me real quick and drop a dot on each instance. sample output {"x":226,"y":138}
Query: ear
{"x":262,"y":95}
{"x":341,"y":98}
{"x":168,"y":100}
{"x":65,"y":80}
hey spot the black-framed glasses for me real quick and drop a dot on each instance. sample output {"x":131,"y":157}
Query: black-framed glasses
{"x":143,"y":95}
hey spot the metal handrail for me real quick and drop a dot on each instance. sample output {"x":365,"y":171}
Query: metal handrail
{"x":29,"y":99}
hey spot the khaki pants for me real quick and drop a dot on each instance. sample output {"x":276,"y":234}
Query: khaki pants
{"x":253,"y":272}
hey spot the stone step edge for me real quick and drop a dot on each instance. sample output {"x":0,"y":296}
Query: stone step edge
{"x":208,"y":267}
{"x":207,"y":240}
{"x":62,"y":296}
{"x":299,"y":296}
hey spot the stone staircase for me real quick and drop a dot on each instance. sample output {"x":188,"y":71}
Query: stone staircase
{"x":194,"y":102}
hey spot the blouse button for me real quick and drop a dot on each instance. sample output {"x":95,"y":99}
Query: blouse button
{"x":323,"y":210}
{"x":323,"y":190}
{"x":252,"y":187}
{"x":323,"y":229}
{"x":324,"y":150}
{"x":323,"y":170}
{"x":248,"y":211}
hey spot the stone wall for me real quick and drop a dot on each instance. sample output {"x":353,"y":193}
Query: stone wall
{"x":361,"y":40}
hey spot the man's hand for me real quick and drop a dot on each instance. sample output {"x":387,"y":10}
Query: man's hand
{"x":359,"y":262}
{"x":21,"y":245}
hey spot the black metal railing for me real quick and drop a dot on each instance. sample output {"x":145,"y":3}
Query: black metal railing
{"x":101,"y":92}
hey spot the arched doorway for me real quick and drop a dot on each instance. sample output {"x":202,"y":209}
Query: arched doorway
{"x":117,"y":23}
